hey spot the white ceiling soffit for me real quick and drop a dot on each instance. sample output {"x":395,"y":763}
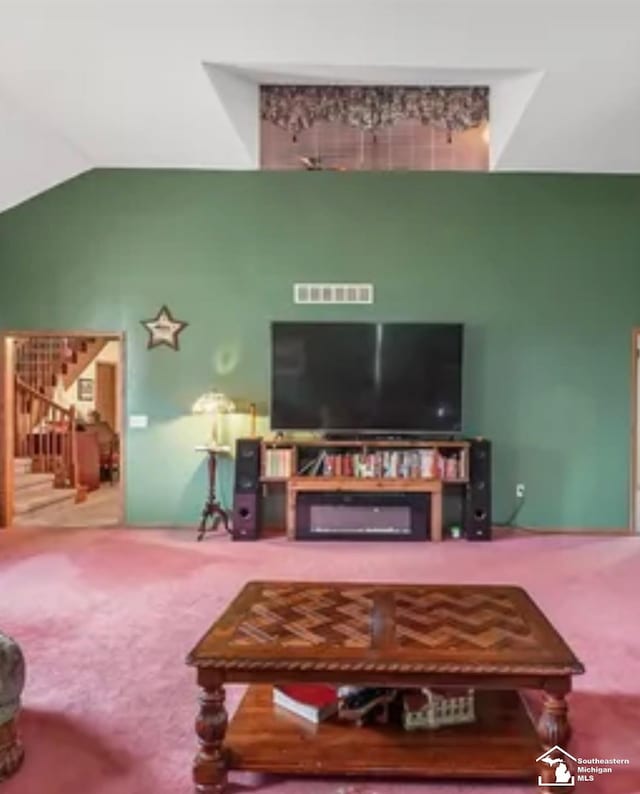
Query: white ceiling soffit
{"x":236,"y":86}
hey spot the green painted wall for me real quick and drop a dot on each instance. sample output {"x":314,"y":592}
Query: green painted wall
{"x":544,"y":270}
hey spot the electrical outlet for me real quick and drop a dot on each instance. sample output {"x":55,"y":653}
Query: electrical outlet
{"x":520,"y":490}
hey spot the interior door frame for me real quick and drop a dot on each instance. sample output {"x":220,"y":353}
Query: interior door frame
{"x":117,"y":408}
{"x":634,"y":501}
{"x":7,"y":403}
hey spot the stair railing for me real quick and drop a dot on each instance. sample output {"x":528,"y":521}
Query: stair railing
{"x":40,"y":360}
{"x":46,"y":432}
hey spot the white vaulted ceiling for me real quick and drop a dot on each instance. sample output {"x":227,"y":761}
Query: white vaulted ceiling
{"x":173,"y":83}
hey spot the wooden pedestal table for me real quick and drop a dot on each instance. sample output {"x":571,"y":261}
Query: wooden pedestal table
{"x":492,"y":638}
{"x":212,"y":511}
{"x":297,"y":485}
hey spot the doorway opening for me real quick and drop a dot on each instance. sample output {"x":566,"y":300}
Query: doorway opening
{"x":61,"y":434}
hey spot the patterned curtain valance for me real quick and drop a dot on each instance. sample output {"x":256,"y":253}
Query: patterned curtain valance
{"x":297,"y":107}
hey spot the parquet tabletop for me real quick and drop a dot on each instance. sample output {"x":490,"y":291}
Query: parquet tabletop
{"x":342,"y":627}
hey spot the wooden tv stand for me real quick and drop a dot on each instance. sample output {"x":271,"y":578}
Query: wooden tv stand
{"x":284,"y":461}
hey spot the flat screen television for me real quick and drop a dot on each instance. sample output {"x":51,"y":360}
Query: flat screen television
{"x":367,"y":377}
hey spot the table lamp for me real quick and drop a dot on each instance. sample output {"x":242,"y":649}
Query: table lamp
{"x":214,"y":404}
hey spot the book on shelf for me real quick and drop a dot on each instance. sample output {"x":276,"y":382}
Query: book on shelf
{"x":278,"y":462}
{"x":397,"y":464}
{"x":313,"y":702}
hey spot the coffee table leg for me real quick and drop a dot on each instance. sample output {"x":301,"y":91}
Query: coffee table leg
{"x":209,"y":766}
{"x":553,"y":725}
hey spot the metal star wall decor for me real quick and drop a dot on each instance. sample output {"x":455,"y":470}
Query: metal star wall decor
{"x":164,"y":329}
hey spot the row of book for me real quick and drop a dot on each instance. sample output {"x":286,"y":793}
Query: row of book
{"x":278,"y":463}
{"x":413,"y":464}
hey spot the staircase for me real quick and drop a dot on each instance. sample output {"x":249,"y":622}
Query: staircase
{"x":45,"y":451}
{"x":44,"y":361}
{"x":34,"y":491}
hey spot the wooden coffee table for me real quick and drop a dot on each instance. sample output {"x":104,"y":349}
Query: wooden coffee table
{"x":492,"y":638}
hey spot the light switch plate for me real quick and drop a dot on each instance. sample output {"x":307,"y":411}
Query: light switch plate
{"x":138,"y":420}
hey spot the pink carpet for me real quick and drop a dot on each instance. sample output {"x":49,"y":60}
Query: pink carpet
{"x":105,"y":619}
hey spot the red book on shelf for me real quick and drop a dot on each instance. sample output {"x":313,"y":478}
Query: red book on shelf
{"x":314,"y":702}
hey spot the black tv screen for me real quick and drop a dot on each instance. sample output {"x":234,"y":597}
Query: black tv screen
{"x":367,"y":377}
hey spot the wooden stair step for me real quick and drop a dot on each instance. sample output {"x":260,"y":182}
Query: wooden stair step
{"x":28,"y":481}
{"x":27,"y":502}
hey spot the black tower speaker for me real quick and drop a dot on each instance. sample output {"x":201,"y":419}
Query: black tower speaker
{"x":477,"y":519}
{"x":247,"y":508}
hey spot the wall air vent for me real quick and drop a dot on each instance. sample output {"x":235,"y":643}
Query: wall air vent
{"x":332,"y":293}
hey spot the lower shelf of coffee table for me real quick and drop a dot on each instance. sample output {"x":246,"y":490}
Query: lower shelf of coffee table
{"x":502,"y":743}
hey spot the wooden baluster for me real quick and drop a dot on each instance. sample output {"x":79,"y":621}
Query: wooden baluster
{"x":61,"y":450}
{"x":49,"y":370}
{"x":43,"y":426}
{"x":57,"y":460}
{"x":58,"y":447}
{"x":53,"y":439}
{"x":23,"y":435}
{"x":30,"y":439}
{"x":38,"y":427}
{"x":24,"y":451}
{"x":52,"y":424}
{"x":27,"y":425}
{"x":23,"y":439}
{"x":65,"y":461}
{"x":73,"y":471}
{"x":64,"y":438}
{"x":54,"y":365}
{"x":45,"y":436}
